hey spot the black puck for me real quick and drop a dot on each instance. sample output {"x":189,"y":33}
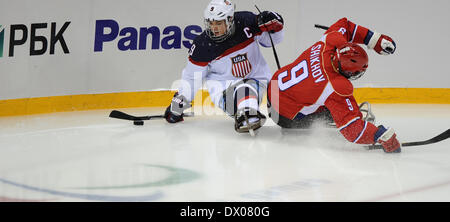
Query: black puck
{"x":138,"y":122}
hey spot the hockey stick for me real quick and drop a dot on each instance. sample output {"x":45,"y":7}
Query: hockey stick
{"x":321,"y":27}
{"x":273,"y":46}
{"x":121,"y":115}
{"x":435,"y":139}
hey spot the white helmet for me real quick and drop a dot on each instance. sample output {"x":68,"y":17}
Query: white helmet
{"x":218,"y":10}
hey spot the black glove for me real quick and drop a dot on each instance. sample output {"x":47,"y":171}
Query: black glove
{"x":270,"y":22}
{"x":171,"y":117}
{"x":174,"y":112}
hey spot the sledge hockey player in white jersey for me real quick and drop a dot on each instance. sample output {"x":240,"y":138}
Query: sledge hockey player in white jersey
{"x":228,"y":57}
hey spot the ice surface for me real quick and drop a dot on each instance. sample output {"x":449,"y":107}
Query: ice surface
{"x":87,"y":156}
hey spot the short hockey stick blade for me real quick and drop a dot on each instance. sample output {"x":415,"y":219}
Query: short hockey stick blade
{"x":438,"y":138}
{"x":121,"y":115}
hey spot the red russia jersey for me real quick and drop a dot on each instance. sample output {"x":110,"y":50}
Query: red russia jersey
{"x":311,"y":82}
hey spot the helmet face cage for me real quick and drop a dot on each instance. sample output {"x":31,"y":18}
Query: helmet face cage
{"x":229,"y":21}
{"x":350,"y":75}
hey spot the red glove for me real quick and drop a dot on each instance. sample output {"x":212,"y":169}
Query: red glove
{"x":387,"y":138}
{"x":382,"y":44}
{"x":270,"y":22}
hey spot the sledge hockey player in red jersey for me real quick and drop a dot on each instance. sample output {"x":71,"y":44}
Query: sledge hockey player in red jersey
{"x":228,"y":57}
{"x":317,"y":85}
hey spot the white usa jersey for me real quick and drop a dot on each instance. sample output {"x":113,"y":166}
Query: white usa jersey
{"x":236,"y":58}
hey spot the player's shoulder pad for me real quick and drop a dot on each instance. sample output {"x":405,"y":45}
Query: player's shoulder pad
{"x":342,"y":20}
{"x":335,"y":38}
{"x":202,"y":49}
{"x":245,"y":18}
{"x":342,"y":86}
{"x":338,"y":25}
{"x":247,"y":21}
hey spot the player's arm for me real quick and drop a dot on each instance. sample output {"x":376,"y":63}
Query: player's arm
{"x":352,"y":32}
{"x":270,"y":22}
{"x":192,"y":76}
{"x":354,"y":128}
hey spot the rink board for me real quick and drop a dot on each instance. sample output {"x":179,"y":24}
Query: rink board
{"x":52,"y":104}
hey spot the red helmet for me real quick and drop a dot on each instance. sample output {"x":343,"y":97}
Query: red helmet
{"x":352,"y":60}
